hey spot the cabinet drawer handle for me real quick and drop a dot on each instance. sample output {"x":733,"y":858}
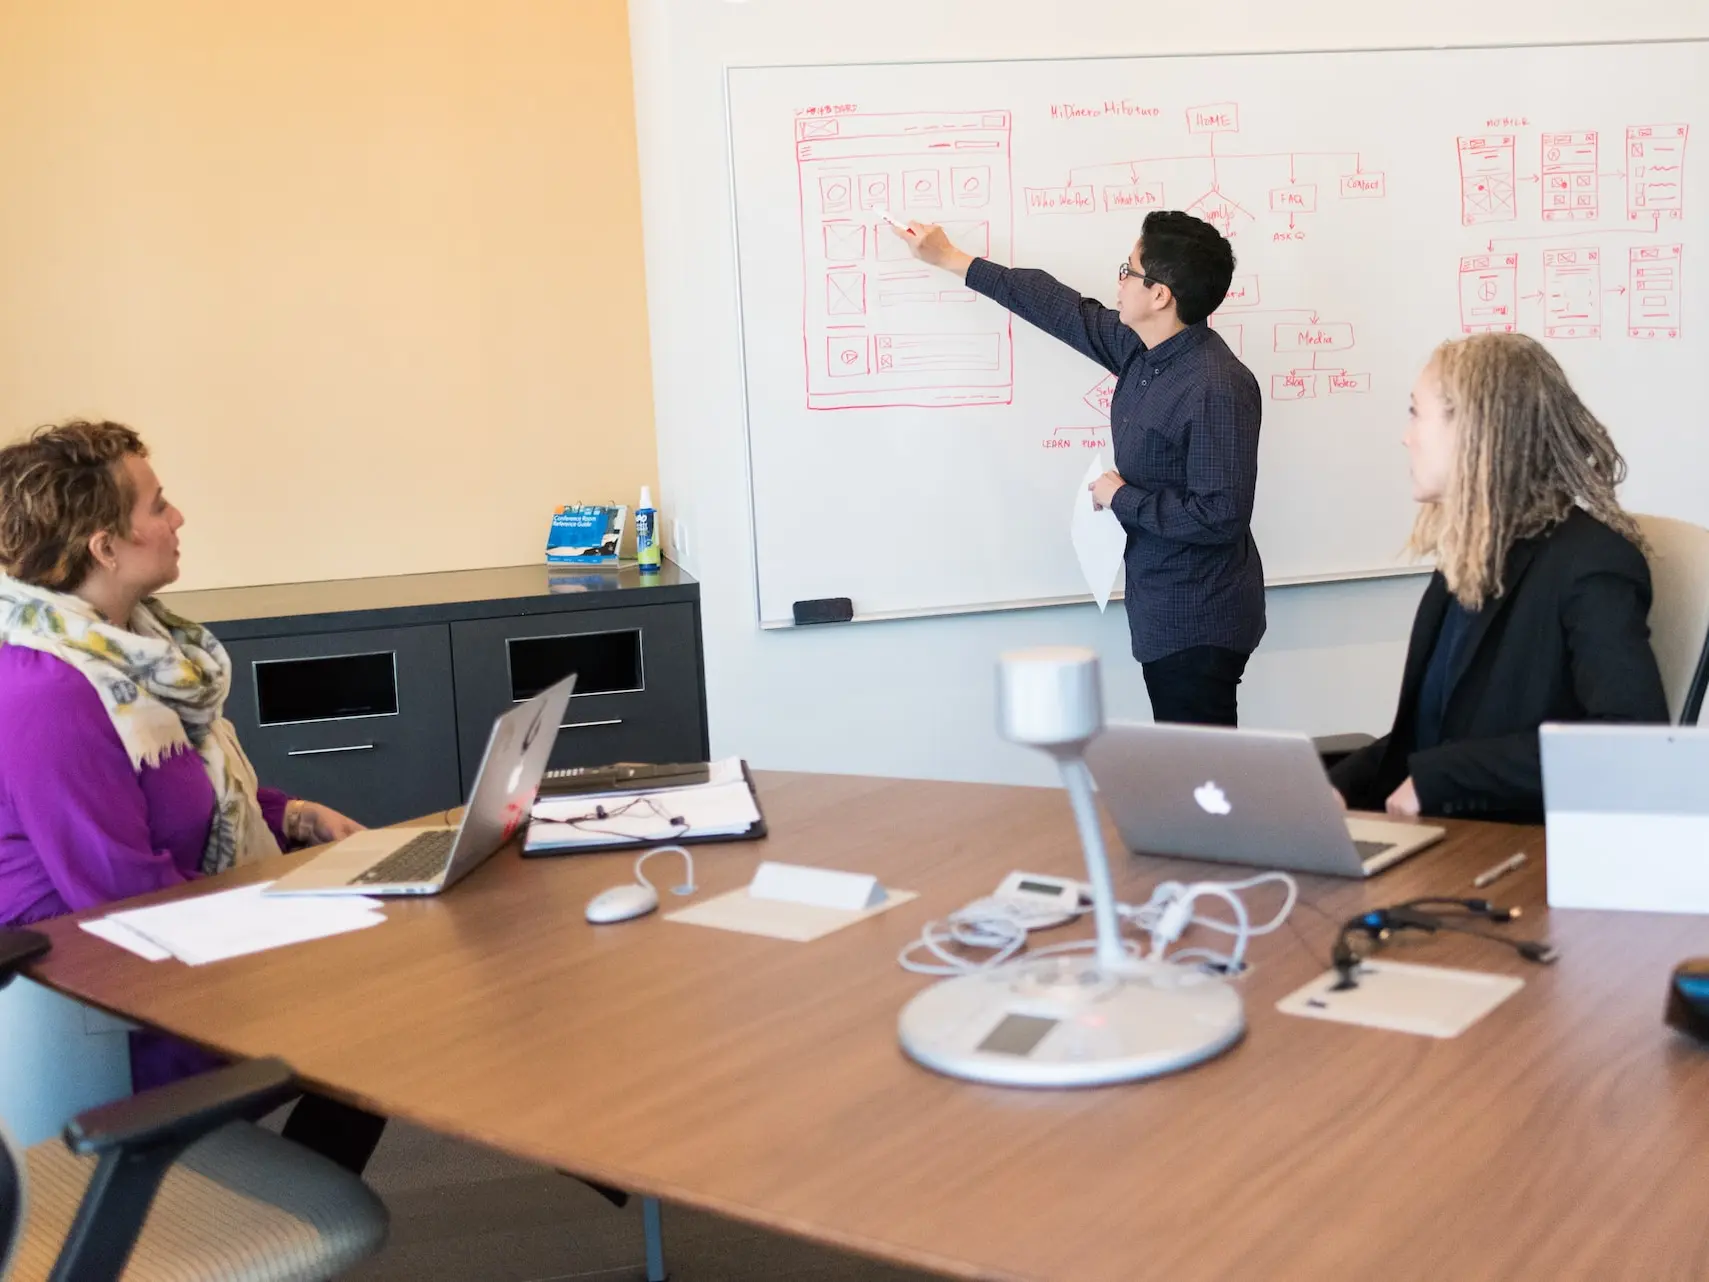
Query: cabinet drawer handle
{"x":589,"y":725}
{"x":321,"y":752}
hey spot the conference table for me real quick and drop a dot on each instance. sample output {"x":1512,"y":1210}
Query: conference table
{"x":1562,"y":1136}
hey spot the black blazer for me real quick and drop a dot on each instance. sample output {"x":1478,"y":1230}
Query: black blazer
{"x":1568,"y":640}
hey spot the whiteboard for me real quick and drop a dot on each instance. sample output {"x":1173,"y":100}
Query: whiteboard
{"x":914,"y":448}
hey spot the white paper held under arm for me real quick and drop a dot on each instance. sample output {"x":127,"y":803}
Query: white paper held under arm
{"x":1099,"y":540}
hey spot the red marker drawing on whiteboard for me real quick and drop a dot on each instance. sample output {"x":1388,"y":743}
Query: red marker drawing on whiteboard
{"x":890,"y":218}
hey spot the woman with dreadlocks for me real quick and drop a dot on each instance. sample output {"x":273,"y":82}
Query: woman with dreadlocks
{"x":1537,"y":610}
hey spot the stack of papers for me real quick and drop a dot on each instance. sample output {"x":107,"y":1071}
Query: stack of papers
{"x":232,"y":923}
{"x":723,"y":806}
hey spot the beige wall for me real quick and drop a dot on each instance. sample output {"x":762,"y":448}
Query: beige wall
{"x":366,"y":274}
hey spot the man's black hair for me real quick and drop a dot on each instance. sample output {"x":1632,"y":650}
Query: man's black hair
{"x":1191,"y":257}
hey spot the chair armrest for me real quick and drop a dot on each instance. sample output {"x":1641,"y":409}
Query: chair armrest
{"x":1336,"y":747}
{"x":178,"y":1115}
{"x":18,"y":948}
{"x":137,"y":1140}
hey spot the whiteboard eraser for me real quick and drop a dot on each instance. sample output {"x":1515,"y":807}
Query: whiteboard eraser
{"x":829,"y":609}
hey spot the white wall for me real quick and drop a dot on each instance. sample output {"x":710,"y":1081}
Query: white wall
{"x":57,"y":1058}
{"x":916,"y":698}
{"x":313,"y":253}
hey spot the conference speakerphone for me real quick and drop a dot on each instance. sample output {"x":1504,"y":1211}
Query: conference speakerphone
{"x":1066,"y":1021}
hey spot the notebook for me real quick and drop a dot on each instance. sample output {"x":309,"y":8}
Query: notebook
{"x":724,"y":808}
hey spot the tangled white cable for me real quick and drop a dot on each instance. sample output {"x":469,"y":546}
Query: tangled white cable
{"x":997,"y":928}
{"x":1170,"y":911}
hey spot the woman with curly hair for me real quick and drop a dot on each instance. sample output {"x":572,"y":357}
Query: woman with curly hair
{"x":119,"y":773}
{"x":1538,"y":607}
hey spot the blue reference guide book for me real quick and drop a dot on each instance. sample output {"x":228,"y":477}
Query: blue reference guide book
{"x":586,"y":534}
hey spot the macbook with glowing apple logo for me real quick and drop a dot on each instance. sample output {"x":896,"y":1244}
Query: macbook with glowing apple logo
{"x":1252,"y":797}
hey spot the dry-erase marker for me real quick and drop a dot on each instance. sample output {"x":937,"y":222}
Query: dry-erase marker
{"x":890,"y":218}
{"x":1501,"y":870}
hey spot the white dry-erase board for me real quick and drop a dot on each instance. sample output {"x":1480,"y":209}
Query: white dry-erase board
{"x":914,"y":449}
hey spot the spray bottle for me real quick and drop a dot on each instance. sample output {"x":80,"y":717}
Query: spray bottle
{"x":647,"y":533}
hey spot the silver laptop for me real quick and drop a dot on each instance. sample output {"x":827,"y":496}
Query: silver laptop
{"x":1632,"y":799}
{"x":1241,"y":797}
{"x":425,"y":861}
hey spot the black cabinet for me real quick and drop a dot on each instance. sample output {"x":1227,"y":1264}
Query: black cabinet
{"x":637,"y":695}
{"x":376,"y":696}
{"x":363,"y":721}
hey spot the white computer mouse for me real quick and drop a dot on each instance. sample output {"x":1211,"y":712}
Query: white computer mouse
{"x":621,"y":903}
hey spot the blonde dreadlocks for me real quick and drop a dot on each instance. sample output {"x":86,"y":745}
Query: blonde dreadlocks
{"x":1527,"y":452}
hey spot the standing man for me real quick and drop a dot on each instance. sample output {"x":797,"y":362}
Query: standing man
{"x":1184,"y":419}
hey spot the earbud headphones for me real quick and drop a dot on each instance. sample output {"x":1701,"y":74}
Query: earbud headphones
{"x":1379,"y":925}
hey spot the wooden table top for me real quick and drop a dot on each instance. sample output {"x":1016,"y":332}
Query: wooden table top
{"x":1560,"y":1137}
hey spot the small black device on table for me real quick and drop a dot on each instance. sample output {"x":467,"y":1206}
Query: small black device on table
{"x":1688,"y":997}
{"x":624,"y":776}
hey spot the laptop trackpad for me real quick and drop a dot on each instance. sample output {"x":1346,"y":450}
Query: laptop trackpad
{"x":1399,"y":839}
{"x":1385,"y":830}
{"x":346,"y":858}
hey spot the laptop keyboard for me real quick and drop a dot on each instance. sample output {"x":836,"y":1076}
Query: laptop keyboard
{"x":419,"y":859}
{"x":1369,"y":850}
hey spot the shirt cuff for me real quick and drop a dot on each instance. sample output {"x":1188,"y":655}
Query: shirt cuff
{"x":1434,"y":797}
{"x":1125,"y":504}
{"x":985,"y":277}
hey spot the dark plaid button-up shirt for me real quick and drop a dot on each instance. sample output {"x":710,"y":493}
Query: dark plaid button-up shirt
{"x":1184,"y":423}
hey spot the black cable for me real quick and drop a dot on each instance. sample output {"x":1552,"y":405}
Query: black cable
{"x":1378,"y":924}
{"x":1531,"y":949}
{"x":584,"y":823}
{"x":1471,"y":907}
{"x":1300,"y":935}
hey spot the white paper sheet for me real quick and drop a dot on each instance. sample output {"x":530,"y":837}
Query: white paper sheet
{"x":1099,"y":540}
{"x":235,"y":923}
{"x":115,"y":932}
{"x":779,"y":919}
{"x":1432,"y":1001}
{"x":710,"y":810}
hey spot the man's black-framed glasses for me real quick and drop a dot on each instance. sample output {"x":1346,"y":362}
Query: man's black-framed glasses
{"x":1127,"y":269}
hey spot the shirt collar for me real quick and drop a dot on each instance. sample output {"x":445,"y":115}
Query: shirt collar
{"x":1176,"y":344}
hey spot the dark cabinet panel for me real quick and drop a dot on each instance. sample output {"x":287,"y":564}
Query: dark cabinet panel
{"x":638,"y":695}
{"x":377,"y":696}
{"x":362,"y":721}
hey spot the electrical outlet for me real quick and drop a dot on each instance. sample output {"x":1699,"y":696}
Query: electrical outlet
{"x":679,"y":539}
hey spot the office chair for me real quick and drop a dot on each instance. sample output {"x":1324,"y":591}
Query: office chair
{"x":1333,"y":747}
{"x":178,"y":1185}
{"x":1679,"y":614}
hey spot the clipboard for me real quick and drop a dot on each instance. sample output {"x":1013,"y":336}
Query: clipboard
{"x":754,"y":832}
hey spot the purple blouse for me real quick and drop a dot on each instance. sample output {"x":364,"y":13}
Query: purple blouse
{"x":80,"y":828}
